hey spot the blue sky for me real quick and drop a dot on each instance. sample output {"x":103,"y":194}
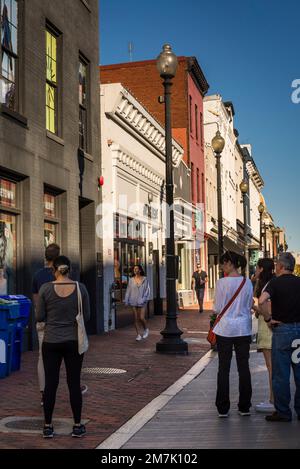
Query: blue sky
{"x":249,"y":52}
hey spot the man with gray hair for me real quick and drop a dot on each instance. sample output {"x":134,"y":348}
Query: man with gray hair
{"x":284,"y":293}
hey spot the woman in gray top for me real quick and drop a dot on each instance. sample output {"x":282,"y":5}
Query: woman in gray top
{"x":137,"y":296}
{"x":58,"y":308}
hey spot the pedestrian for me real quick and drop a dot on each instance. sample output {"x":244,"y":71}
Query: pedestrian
{"x":58,"y":308}
{"x":264,"y":273}
{"x":44,"y":275}
{"x":199,"y":278}
{"x":137,"y":296}
{"x":284,"y":292}
{"x":234,"y":293}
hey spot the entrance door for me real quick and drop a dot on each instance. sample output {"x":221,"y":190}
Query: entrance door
{"x":158,"y":306}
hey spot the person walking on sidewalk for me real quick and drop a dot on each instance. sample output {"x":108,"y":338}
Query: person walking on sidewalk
{"x":41,"y":277}
{"x":137,"y":296}
{"x":58,"y":308}
{"x":233,"y":330}
{"x":199,"y":279}
{"x":284,"y":292}
{"x":264,"y":273}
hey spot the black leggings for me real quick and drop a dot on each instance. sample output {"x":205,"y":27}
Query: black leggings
{"x":53,"y":354}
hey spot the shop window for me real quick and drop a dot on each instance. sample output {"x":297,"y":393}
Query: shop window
{"x":9,"y":53}
{"x":8,"y":243}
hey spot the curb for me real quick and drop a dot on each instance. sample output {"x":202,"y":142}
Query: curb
{"x":132,"y":426}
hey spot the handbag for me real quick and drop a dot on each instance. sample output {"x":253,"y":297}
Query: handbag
{"x":211,"y":336}
{"x":83,"y":342}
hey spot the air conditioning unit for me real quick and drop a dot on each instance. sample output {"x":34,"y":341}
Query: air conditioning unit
{"x":185,"y":298}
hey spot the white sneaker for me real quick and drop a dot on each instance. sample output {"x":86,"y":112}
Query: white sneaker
{"x":146,"y":333}
{"x":138,"y":337}
{"x":267,"y":407}
{"x":223,"y":416}
{"x":244,"y":414}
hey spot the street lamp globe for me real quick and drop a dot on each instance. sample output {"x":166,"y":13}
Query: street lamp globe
{"x":244,"y":187}
{"x":261,"y":208}
{"x":167,"y":62}
{"x":218,"y":143}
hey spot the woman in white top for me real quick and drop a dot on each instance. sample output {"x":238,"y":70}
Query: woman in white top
{"x":233,"y":330}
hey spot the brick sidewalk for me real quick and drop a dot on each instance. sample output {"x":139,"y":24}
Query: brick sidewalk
{"x":111,"y":400}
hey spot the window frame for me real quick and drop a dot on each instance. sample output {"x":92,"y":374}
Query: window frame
{"x":15,"y":56}
{"x":54,"y":85}
{"x":84,"y":108}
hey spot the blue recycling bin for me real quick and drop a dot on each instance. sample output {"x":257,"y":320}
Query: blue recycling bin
{"x":20,"y":324}
{"x":9,"y":315}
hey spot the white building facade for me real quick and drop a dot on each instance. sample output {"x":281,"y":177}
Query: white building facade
{"x":133,"y":211}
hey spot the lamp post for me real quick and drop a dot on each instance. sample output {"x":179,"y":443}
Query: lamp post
{"x":261,"y":209}
{"x":171,"y":342}
{"x":218,"y":144}
{"x":244,"y":187}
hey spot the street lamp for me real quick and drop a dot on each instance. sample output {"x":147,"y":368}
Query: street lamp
{"x":171,"y":342}
{"x":261,"y":209}
{"x":218,"y":144}
{"x":244,"y":187}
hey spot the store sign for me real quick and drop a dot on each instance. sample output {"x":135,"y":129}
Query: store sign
{"x":7,"y":193}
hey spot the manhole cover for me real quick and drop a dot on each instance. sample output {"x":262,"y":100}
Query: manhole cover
{"x":62,"y":426}
{"x":103,"y":371}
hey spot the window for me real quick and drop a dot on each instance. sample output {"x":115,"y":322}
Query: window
{"x":201,"y":129}
{"x":83,"y":102}
{"x":8,"y":244}
{"x":9,"y":53}
{"x":192,"y":181}
{"x":198,"y":185}
{"x":190,"y":111}
{"x":202,"y":188}
{"x":51,"y":222}
{"x":51,"y":82}
{"x":196,"y":121}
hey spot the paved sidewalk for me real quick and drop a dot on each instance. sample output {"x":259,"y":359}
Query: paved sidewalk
{"x":112,"y":399}
{"x":190,"y":421}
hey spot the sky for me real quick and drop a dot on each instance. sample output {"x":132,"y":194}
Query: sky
{"x":249,"y":53}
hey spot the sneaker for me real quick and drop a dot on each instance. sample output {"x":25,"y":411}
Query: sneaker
{"x":83,"y":388}
{"x":146,"y":333}
{"x":138,"y":337}
{"x":48,"y":431}
{"x":78,"y":431}
{"x":267,"y":407}
{"x":276,"y":417}
{"x":223,"y":416}
{"x":244,"y":414}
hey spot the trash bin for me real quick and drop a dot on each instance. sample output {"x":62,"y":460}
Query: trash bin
{"x":9,"y":315}
{"x":20,"y":324}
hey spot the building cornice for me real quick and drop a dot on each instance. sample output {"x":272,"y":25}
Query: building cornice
{"x":195,"y":70}
{"x":130,"y":112}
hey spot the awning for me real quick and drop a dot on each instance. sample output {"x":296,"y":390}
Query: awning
{"x":228,"y":244}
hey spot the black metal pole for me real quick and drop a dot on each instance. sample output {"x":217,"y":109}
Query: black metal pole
{"x":265,"y":240}
{"x":220,"y":214}
{"x":171,"y":342}
{"x":245,"y":233}
{"x":260,"y":231}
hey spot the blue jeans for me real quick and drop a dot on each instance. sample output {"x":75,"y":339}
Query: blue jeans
{"x":282,"y":351}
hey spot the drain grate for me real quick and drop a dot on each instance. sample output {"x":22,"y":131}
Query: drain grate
{"x":103,"y":371}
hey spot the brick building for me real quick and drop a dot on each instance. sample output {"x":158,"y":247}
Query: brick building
{"x":189,"y":88}
{"x":49,"y":142}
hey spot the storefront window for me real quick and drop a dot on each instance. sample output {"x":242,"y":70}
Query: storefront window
{"x":7,"y":193}
{"x":129,"y":250}
{"x":8,"y":255}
